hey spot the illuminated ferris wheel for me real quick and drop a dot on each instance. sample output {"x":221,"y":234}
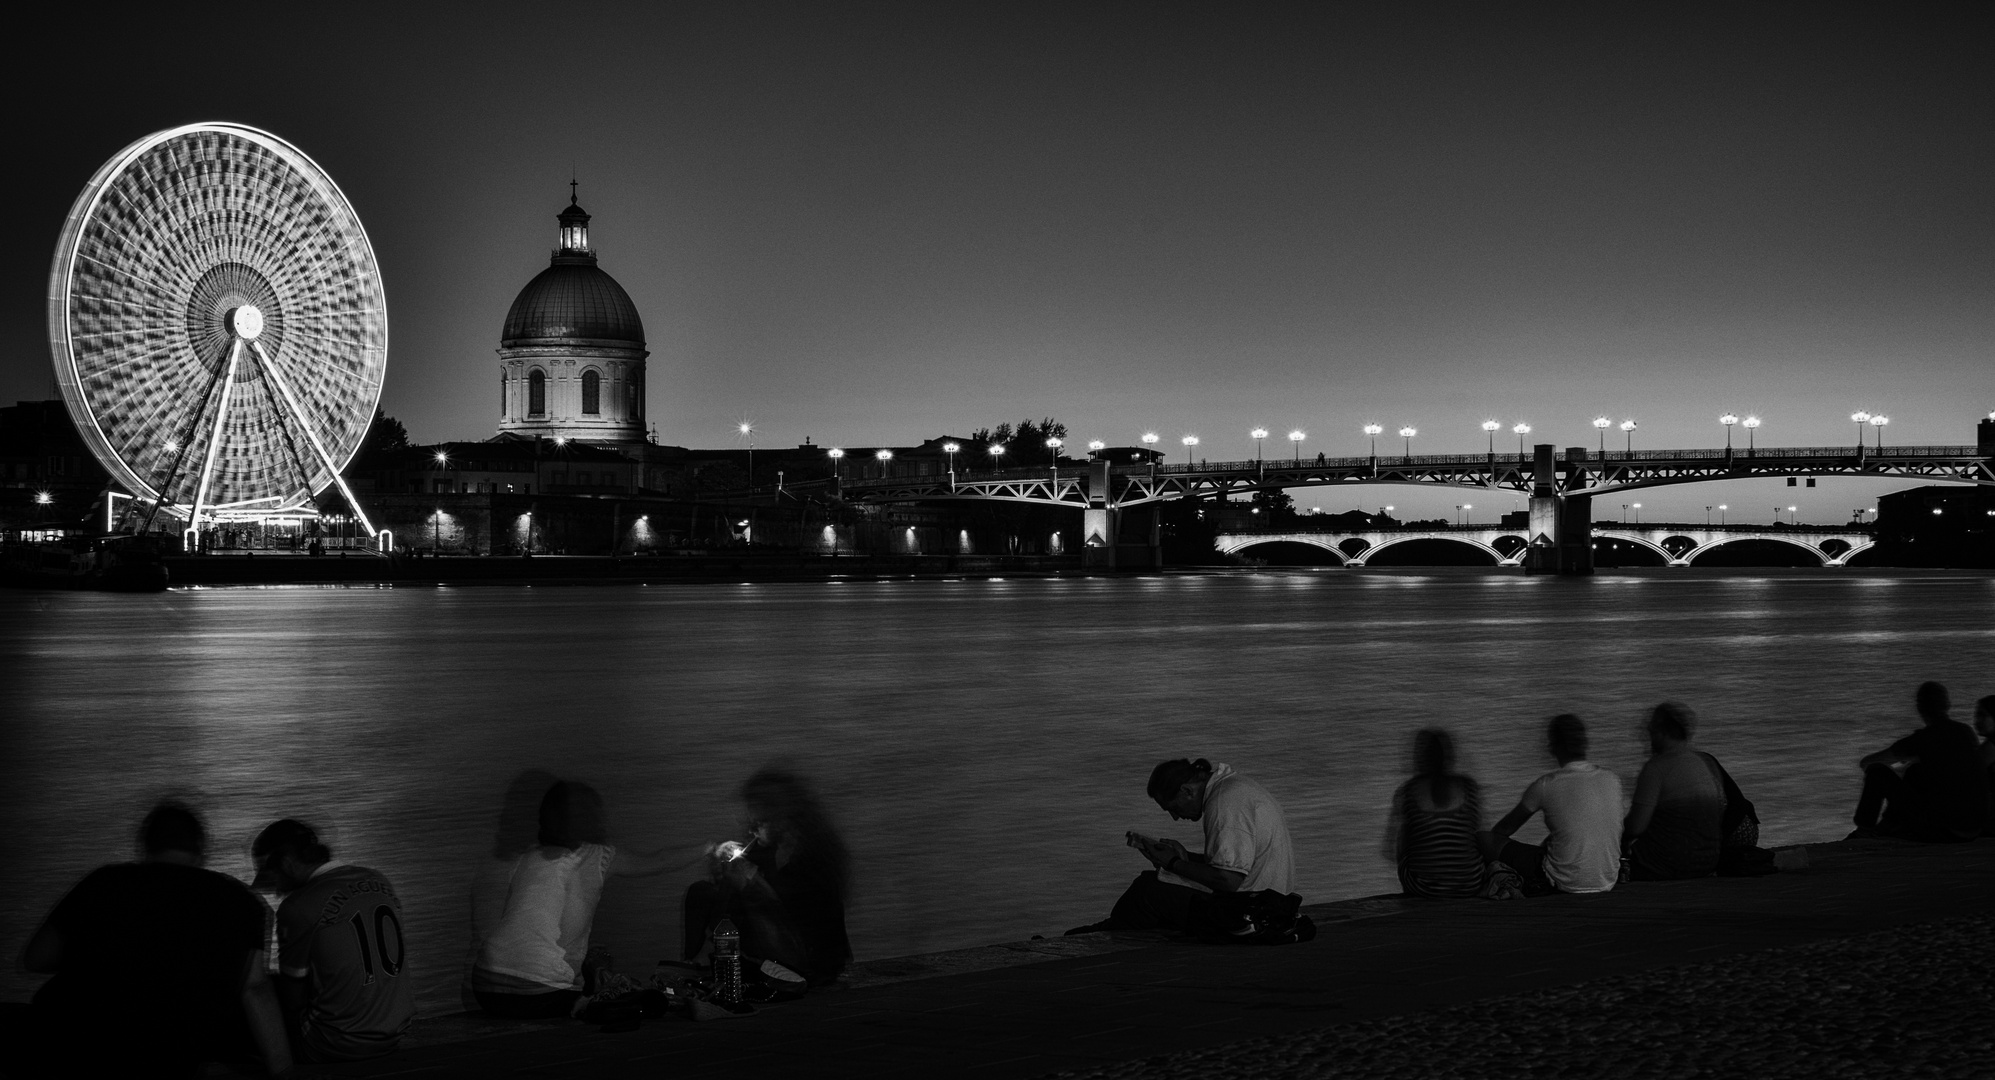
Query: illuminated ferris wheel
{"x":218,"y":324}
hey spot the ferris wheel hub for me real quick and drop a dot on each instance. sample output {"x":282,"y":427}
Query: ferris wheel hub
{"x":246,"y":322}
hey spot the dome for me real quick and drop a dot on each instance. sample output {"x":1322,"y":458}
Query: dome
{"x":572,"y":301}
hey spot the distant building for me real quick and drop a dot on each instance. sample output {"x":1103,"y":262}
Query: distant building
{"x":1939,"y":526}
{"x":571,"y":356}
{"x":49,"y":479}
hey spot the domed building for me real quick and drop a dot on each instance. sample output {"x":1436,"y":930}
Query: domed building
{"x":571,"y":358}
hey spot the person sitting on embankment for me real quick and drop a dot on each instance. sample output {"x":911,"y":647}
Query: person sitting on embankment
{"x":1943,"y":794}
{"x":1675,"y":827}
{"x":1984,"y":725}
{"x":1582,"y":805}
{"x":1242,"y":884}
{"x":1431,"y":834}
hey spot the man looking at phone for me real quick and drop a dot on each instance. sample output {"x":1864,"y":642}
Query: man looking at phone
{"x":1247,"y":850}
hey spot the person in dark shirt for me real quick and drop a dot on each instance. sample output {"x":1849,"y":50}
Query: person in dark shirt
{"x":786,"y":889}
{"x":1942,"y":795}
{"x":1984,"y":726}
{"x":157,"y":965}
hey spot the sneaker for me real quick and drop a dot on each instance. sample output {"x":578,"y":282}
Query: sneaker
{"x":778,"y":973}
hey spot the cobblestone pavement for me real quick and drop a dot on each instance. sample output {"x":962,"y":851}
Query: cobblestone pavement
{"x":1917,"y":1000}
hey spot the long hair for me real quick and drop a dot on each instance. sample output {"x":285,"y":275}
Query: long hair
{"x":571,"y":814}
{"x":1169,"y":776}
{"x":793,"y":808}
{"x":1434,"y":760}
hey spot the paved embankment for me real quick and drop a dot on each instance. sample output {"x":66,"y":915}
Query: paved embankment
{"x":1717,"y":975}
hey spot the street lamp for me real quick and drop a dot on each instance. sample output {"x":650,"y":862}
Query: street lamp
{"x":1624,"y":513}
{"x":950,"y":449}
{"x":1257,"y":435}
{"x":1728,"y":420}
{"x":1296,"y":438}
{"x":1628,"y":429}
{"x":1491,"y":426}
{"x":1053,"y":445}
{"x":1373,"y":431}
{"x":1638,"y":512}
{"x":883,"y":456}
{"x":1462,"y":512}
{"x":1752,"y":425}
{"x":748,"y":432}
{"x":1521,"y":430}
{"x":1408,"y":433}
{"x":1189,"y":441}
{"x":1707,"y":517}
{"x":1792,"y":516}
{"x":834,"y":454}
{"x":997,"y":454}
{"x":1602,"y":424}
{"x":1878,"y":422}
{"x":1860,"y":418}
{"x":1721,"y":514}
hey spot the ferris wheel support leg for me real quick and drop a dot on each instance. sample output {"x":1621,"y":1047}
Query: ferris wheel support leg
{"x":193,"y":533}
{"x":311,"y":436}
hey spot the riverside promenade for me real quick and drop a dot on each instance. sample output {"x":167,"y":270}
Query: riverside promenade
{"x":1876,"y":959}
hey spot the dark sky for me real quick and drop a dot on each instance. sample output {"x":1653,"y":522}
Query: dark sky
{"x":873,"y":224}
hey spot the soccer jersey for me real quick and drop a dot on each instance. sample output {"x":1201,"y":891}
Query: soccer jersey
{"x":343,"y":933}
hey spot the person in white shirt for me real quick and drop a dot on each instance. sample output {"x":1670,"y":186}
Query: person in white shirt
{"x":1582,"y":805}
{"x":1247,"y":850}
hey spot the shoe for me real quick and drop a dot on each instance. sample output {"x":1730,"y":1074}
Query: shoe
{"x":780,"y":974}
{"x":1305,"y":928}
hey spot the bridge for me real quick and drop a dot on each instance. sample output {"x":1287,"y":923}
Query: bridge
{"x":1561,"y":485}
{"x":1677,"y":544}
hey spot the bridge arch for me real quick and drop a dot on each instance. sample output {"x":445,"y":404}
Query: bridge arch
{"x":1811,"y":549}
{"x":1669,"y":558}
{"x":1393,"y":541}
{"x":1242,"y":545}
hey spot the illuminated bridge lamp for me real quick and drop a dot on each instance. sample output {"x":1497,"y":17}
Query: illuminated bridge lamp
{"x":1521,"y":430}
{"x":1721,"y":514}
{"x":1878,"y":422}
{"x":1408,"y":433}
{"x":996,"y":451}
{"x":1373,"y":431}
{"x":1257,"y":435}
{"x":1752,"y":425}
{"x":1601,"y":424}
{"x":1295,"y":437}
{"x":1628,"y":429}
{"x":1189,"y":441}
{"x":1860,"y":418}
{"x":1491,"y":426}
{"x":834,"y":454}
{"x":1728,"y":420}
{"x":1096,"y":445}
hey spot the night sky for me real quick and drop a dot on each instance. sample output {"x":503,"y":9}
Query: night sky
{"x":875,"y":224}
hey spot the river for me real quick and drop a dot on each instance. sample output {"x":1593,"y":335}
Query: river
{"x":982,"y":743}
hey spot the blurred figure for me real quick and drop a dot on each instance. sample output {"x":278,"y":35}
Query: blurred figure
{"x":1247,"y":851}
{"x":1943,"y":794}
{"x":1582,"y":805}
{"x":1431,"y":834}
{"x":1676,"y":826}
{"x":785,"y":889}
{"x":516,"y":832}
{"x":341,"y":953}
{"x":530,"y":967}
{"x":1984,"y":725}
{"x":158,"y":966}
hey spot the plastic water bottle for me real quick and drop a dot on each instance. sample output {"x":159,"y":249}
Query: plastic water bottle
{"x":727,"y":963}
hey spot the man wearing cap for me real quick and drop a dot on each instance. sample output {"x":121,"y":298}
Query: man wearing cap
{"x":344,"y":979}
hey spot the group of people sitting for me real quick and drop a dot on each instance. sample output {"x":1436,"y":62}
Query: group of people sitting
{"x":160,"y":965}
{"x":1688,"y":818}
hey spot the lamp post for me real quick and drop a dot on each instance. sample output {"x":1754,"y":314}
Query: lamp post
{"x":1752,"y":425}
{"x":1462,"y":511}
{"x":834,"y":454}
{"x":951,"y":449}
{"x":748,"y":432}
{"x":1793,"y":516}
{"x":997,"y":455}
{"x":1372,"y":431}
{"x":883,"y":456}
{"x":1628,"y":429}
{"x":1096,"y":446}
{"x":1491,"y":426}
{"x":1257,"y":435}
{"x":1624,"y":513}
{"x":1721,"y":514}
{"x":1521,"y":430}
{"x":1408,"y":433}
{"x":1601,"y":424}
{"x":1860,"y":418}
{"x":1189,"y":441}
{"x":1150,"y":443}
{"x":1707,"y":517}
{"x":1295,"y":440}
{"x":1878,"y":422}
{"x":1638,"y":512}
{"x":1053,"y":445}
{"x":1728,"y":420}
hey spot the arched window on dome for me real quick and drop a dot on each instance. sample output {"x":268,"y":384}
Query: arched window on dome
{"x":536,"y":393}
{"x":592,"y":394}
{"x":502,"y":394}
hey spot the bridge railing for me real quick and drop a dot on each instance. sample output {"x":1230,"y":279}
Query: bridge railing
{"x":1306,"y":527}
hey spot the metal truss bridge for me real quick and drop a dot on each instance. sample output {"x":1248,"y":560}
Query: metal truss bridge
{"x":1578,"y":471}
{"x":1677,"y":544}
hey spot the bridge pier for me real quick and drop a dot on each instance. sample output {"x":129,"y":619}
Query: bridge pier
{"x":1561,"y":525}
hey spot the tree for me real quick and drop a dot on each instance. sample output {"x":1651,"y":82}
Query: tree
{"x":1276,"y":506}
{"x":385,"y":438}
{"x":1024,"y":444}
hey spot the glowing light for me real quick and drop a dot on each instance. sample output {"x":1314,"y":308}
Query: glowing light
{"x":1728,"y":419}
{"x":1751,"y":421}
{"x":834,"y":453}
{"x":1190,"y":440}
{"x":561,"y":440}
{"x":43,"y":498}
{"x":442,"y":458}
{"x":1879,"y":421}
{"x":1602,"y":423}
{"x":1296,"y":435}
{"x":1055,"y":443}
{"x":1373,"y":429}
{"x":1522,"y":429}
{"x":1097,"y":444}
{"x":1150,"y":438}
{"x":1860,"y":416}
{"x":1258,"y":433}
{"x":745,"y":427}
{"x":950,"y":448}
{"x":884,"y":455}
{"x":997,"y":450}
{"x":1407,"y":433}
{"x":1627,"y":425}
{"x":172,"y":447}
{"x":1490,"y":425}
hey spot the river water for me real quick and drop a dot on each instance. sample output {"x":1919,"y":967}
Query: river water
{"x":983,"y":743}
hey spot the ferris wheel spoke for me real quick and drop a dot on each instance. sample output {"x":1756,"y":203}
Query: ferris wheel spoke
{"x":311,"y":435}
{"x":216,"y":432}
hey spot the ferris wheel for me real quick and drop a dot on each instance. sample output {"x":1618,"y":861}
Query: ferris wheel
{"x":218,"y":325}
